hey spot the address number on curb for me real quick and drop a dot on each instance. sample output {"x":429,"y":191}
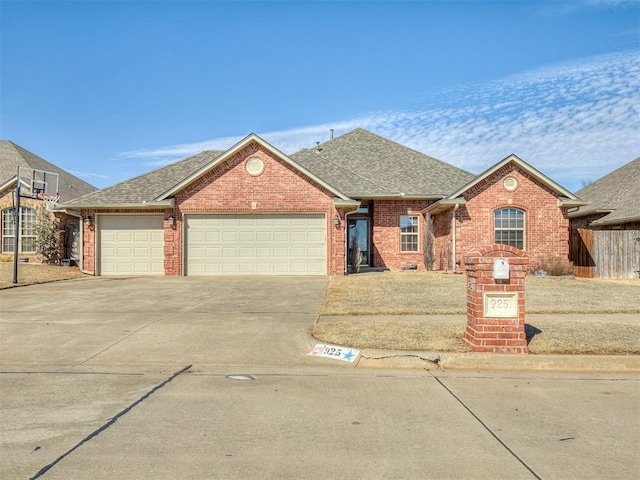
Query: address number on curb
{"x":500,"y":305}
{"x":337,"y":353}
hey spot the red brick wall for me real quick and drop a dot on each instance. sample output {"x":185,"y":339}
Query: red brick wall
{"x":229,"y":188}
{"x":442,"y":241}
{"x":546,"y":224}
{"x":386,"y":233}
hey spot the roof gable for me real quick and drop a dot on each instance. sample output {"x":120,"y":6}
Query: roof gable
{"x":365,"y":165}
{"x":514,"y":159}
{"x":565,"y":197}
{"x":252,"y":138}
{"x":616,"y":194}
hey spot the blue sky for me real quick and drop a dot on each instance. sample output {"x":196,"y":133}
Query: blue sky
{"x":112,"y":89}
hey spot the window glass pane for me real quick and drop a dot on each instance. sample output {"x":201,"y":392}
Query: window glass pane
{"x":28,"y":229}
{"x":28,"y":221}
{"x":409,"y":223}
{"x":28,"y":244}
{"x":509,"y":227}
{"x":408,"y":233}
{"x":7,"y":244}
{"x":8,"y":222}
{"x":8,"y":230}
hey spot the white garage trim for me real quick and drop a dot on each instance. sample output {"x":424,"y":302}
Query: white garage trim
{"x":268,"y":244}
{"x":130,"y":244}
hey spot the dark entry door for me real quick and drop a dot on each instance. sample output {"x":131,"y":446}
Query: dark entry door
{"x":360,"y":227}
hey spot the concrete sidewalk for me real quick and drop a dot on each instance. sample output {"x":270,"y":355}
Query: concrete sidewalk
{"x":374,"y":358}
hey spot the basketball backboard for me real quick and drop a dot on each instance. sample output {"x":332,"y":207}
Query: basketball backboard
{"x":34,"y":183}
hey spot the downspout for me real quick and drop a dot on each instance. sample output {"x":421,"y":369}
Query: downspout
{"x":453,"y":235}
{"x":346,"y":240}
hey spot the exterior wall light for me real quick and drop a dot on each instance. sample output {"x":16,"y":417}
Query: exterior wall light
{"x":336,"y":220}
{"x":87,"y":221}
{"x":171,"y":220}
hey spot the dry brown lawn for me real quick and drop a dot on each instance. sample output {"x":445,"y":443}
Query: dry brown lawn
{"x":30,"y":273}
{"x":431,"y":293}
{"x":545,"y":337}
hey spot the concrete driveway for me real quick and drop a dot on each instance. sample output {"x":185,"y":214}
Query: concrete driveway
{"x":160,"y":321}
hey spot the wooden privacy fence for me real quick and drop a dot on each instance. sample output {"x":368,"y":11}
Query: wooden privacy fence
{"x":605,"y":253}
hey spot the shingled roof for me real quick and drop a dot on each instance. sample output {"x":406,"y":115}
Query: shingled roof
{"x":615,"y":195}
{"x":13,"y":156}
{"x":365,"y":165}
{"x":143,"y":189}
{"x":359,"y":164}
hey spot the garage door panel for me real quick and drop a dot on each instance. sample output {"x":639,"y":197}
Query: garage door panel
{"x":131,"y":245}
{"x":255,"y":245}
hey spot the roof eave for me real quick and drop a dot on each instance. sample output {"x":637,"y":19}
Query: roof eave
{"x":444,"y":204}
{"x":615,"y":221}
{"x":570,"y":202}
{"x":340,"y":203}
{"x":8,"y":183}
{"x":586,"y":213}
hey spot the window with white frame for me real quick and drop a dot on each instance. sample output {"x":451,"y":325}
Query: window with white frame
{"x":27,"y":240}
{"x":508,"y":227}
{"x":409,"y":233}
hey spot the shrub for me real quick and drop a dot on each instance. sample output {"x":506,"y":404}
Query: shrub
{"x":554,"y":267}
{"x":47,"y":237}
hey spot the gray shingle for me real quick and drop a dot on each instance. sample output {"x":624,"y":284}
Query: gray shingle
{"x":13,"y":156}
{"x":146,"y":187}
{"x":618,"y":191}
{"x":363,"y":164}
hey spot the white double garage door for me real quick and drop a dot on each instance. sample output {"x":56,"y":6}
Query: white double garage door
{"x":217,"y":244}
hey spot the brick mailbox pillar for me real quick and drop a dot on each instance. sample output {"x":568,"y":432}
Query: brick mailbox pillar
{"x":495,"y":300}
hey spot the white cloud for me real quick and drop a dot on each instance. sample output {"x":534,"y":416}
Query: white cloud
{"x":572,"y":121}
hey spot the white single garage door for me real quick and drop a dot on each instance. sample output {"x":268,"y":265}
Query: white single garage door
{"x":256,"y":245}
{"x":131,"y":244}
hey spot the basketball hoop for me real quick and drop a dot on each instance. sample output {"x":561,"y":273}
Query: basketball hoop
{"x":50,"y":200}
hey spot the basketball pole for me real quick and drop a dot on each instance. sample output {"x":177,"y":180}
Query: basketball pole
{"x":16,"y":239}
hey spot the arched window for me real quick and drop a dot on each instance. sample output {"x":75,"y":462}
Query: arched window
{"x":27,"y":239}
{"x":509,"y":227}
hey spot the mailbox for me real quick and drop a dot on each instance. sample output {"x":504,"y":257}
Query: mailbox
{"x":500,"y":269}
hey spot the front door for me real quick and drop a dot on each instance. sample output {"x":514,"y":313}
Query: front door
{"x":359,"y":227}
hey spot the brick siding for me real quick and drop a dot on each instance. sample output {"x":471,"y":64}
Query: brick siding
{"x":385,"y":233}
{"x":546,"y":224}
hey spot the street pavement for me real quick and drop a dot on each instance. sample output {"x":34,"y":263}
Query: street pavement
{"x":209,"y":378}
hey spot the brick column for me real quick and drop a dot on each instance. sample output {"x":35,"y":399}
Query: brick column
{"x":495,"y":307}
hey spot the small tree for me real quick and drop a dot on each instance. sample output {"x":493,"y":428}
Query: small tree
{"x":428,"y":250}
{"x":47,"y":236}
{"x":354,"y":254}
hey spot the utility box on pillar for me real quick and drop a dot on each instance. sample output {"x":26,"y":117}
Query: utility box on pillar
{"x":495,"y":300}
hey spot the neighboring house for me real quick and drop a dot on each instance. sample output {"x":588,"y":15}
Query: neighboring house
{"x":13,"y":156}
{"x":605,"y":233}
{"x":254,"y":210}
{"x":613,"y":201}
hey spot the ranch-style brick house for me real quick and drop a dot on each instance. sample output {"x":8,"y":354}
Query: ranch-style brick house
{"x":252,"y":210}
